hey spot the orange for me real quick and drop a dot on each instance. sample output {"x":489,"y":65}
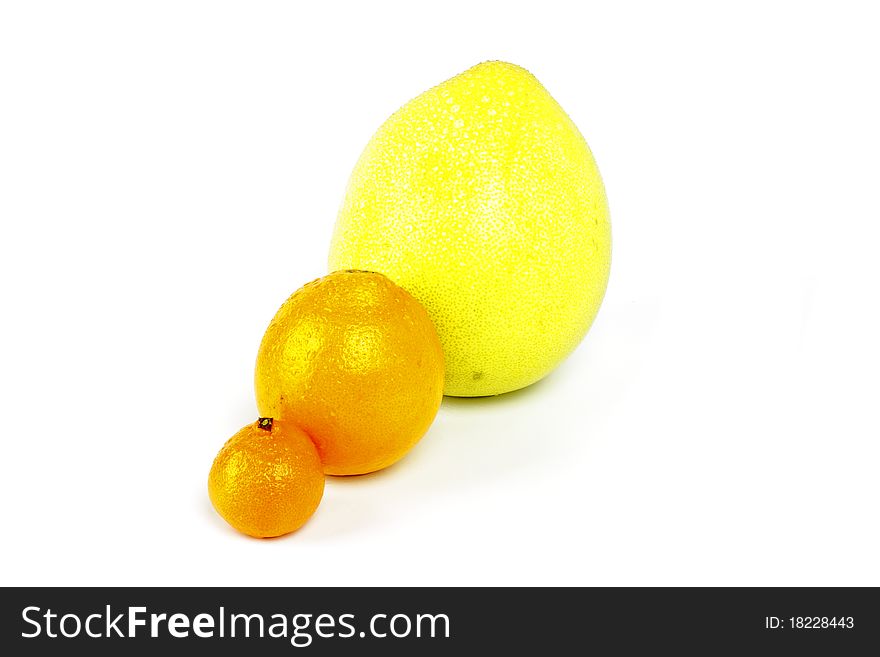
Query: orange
{"x":267,"y":479}
{"x":356,"y":362}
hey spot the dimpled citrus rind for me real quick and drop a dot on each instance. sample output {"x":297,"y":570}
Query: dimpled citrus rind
{"x":356,"y":362}
{"x":267,"y":483}
{"x":482,"y":199}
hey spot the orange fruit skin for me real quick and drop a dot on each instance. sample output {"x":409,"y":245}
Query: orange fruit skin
{"x":267,"y":482}
{"x":356,"y":362}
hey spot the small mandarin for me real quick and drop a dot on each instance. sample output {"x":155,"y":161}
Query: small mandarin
{"x":267,"y":480}
{"x":356,"y":362}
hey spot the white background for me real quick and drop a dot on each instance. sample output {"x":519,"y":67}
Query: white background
{"x":170,"y":172}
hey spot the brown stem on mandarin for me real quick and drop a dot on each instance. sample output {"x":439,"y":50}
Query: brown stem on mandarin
{"x":265,"y":423}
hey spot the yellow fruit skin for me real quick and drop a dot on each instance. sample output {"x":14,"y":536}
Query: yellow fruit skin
{"x":482,"y":199}
{"x":267,"y":482}
{"x":355,"y":361}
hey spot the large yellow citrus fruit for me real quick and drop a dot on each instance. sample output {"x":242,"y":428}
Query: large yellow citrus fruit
{"x":267,"y":480}
{"x":482,"y":199}
{"x":355,"y":361}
